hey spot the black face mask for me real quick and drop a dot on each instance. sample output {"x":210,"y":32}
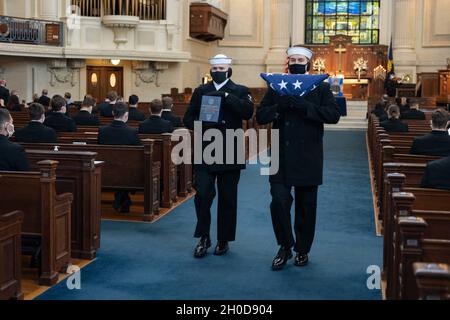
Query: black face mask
{"x":220,"y":77}
{"x":298,"y":68}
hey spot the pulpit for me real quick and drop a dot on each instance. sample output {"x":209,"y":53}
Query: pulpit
{"x":406,"y":90}
{"x":444,"y":87}
{"x":356,"y":63}
{"x":428,"y":83}
{"x":444,"y":83}
{"x":207,"y":23}
{"x":356,"y":89}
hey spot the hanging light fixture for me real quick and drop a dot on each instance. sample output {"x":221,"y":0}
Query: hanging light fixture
{"x":115,"y":62}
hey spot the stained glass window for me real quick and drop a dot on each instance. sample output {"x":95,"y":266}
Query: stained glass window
{"x":356,"y":18}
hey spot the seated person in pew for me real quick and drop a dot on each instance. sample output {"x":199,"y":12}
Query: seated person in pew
{"x":14,"y":103}
{"x":118,"y":133}
{"x":155,"y":124}
{"x":437,"y":175}
{"x":380,"y":108}
{"x":85,"y":116}
{"x":394,"y":124}
{"x":35,"y":131}
{"x":106,"y":108}
{"x":135,"y":114}
{"x":12,"y":155}
{"x":57,"y":118}
{"x":167,"y":113}
{"x":44,"y":99}
{"x":403,"y":104}
{"x":436,"y":143}
{"x":413,"y":113}
{"x":35,"y":99}
{"x":69,"y":103}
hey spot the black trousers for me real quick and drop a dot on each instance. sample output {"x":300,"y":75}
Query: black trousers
{"x":227,"y":187}
{"x":305,"y":216}
{"x":122,"y":199}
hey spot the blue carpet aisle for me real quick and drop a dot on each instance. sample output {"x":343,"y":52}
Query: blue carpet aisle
{"x":142,"y":261}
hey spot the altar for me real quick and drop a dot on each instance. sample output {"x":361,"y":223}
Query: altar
{"x":361,"y":66}
{"x":356,"y":90}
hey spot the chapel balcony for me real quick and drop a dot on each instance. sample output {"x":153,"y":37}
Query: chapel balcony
{"x":146,"y":10}
{"x":31,"y":31}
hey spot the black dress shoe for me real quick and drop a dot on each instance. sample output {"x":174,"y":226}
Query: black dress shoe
{"x":125,"y":209}
{"x":202,"y":247}
{"x":221,"y":248}
{"x":280,"y":261}
{"x":301,"y":260}
{"x":117,"y":207}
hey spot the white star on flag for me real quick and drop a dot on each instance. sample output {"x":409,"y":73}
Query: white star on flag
{"x":283,"y":85}
{"x":297,"y":84}
{"x":293,"y":84}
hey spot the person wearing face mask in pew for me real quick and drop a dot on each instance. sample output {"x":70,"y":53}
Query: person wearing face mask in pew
{"x":237,"y":105}
{"x":12,"y":155}
{"x":301,"y":123}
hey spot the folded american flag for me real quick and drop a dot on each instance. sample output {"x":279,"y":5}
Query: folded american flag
{"x":293,"y":84}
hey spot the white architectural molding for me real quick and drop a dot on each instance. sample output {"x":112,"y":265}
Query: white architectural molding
{"x":61,"y":75}
{"x":144,"y":72}
{"x":436,"y":23}
{"x":24,"y":50}
{"x":64,"y":71}
{"x":168,"y":56}
{"x":243,"y":30}
{"x":121,"y":26}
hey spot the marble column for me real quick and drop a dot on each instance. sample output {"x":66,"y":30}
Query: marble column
{"x":404,"y":38}
{"x":48,"y":9}
{"x":298,"y":22}
{"x":173,"y":26}
{"x":405,"y":23}
{"x":281,"y":26}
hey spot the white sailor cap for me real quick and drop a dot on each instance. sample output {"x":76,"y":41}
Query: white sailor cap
{"x":300,"y":50}
{"x":220,"y":59}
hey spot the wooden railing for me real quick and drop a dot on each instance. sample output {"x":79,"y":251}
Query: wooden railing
{"x":144,"y":9}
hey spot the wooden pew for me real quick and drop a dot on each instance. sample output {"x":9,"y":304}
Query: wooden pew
{"x":78,"y":173}
{"x":107,"y":121}
{"x":417,"y":247}
{"x":47,"y":215}
{"x":176,"y":180}
{"x":433,"y":280}
{"x":393,"y":161}
{"x":426,"y":103}
{"x":179,"y":109}
{"x":398,"y":176}
{"x":386,"y":151}
{"x":432,"y":206}
{"x":126,"y":168}
{"x":10,"y":256}
{"x":394,"y":154}
{"x":169,"y":173}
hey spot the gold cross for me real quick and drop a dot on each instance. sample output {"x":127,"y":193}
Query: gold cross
{"x":340,"y":50}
